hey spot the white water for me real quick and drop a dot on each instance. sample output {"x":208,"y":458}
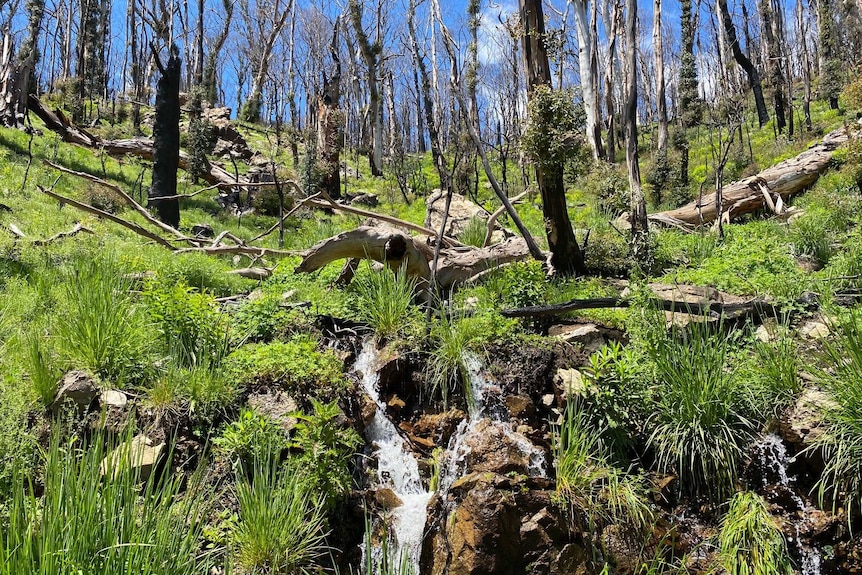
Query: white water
{"x":397,"y":469}
{"x":775,"y":457}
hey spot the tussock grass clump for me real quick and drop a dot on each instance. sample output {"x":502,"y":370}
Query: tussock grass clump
{"x":474,"y":232}
{"x":749,"y":542}
{"x":446,"y":368}
{"x":385,"y":301}
{"x":87,"y":523}
{"x":841,"y":444}
{"x":41,"y":366}
{"x":586,"y":478}
{"x":104,"y":328}
{"x":699,"y":426}
{"x":281,"y":527}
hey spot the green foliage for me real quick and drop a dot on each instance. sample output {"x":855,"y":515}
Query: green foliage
{"x":587,"y":480}
{"x":295,"y":366}
{"x":201,"y":137}
{"x":103,"y":328}
{"x":188,"y":320}
{"x":474,"y":232}
{"x":385,"y":301}
{"x":281,"y":522}
{"x":841,"y":444}
{"x":553,"y":131}
{"x":699,"y":425}
{"x":610,"y":189}
{"x":749,"y":541}
{"x":616,"y":397}
{"x":99,"y":524}
{"x":17,"y":443}
{"x":202,"y":390}
{"x":327,"y":445}
{"x":811,"y":235}
{"x":253,"y":437}
{"x":446,"y":368}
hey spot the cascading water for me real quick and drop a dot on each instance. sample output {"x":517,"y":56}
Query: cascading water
{"x":397,"y":469}
{"x":775,"y":460}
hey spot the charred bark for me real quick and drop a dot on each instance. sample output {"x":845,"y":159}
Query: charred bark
{"x":166,"y":140}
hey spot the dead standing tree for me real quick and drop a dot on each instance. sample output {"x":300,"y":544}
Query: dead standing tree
{"x":166,"y":140}
{"x":330,"y":120}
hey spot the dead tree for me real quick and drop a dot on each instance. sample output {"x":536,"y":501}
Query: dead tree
{"x":166,"y":140}
{"x":637,"y":203}
{"x":371,"y":55}
{"x":661,"y":103}
{"x":330,"y":120}
{"x":18,"y":78}
{"x":744,"y":63}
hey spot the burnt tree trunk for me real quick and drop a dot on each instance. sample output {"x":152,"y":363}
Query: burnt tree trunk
{"x":567,"y":257}
{"x":330,"y":120}
{"x":744,"y":63}
{"x":166,"y":140}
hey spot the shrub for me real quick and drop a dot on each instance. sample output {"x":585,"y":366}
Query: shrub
{"x":841,"y":444}
{"x":609,"y":188}
{"x":103,"y":329}
{"x":749,"y":541}
{"x":281,"y":522}
{"x":189,"y":322}
{"x":553,"y":132}
{"x":385,"y":301}
{"x":253,"y":437}
{"x":327,"y":445}
{"x":295,"y":366}
{"x":103,"y":198}
{"x":88,"y":522}
{"x":699,"y":426}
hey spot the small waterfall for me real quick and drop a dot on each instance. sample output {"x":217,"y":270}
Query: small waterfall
{"x":773,"y":454}
{"x":397,"y":469}
{"x":482,"y":390}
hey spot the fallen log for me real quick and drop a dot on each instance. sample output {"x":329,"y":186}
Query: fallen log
{"x":57,"y":122}
{"x":770,"y":188}
{"x":394,"y":248}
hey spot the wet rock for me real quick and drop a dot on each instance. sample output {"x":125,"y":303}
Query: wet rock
{"x":572,"y":559}
{"x":79,"y":387}
{"x":623,"y":549}
{"x":802,"y":423}
{"x":520,"y":406}
{"x":367,"y":410}
{"x":277,"y":406}
{"x":438,"y":427}
{"x":141,"y":455}
{"x":496,"y":449}
{"x":387,"y":499}
{"x":113,"y":398}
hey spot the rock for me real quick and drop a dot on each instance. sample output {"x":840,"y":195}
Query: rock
{"x":520,"y":406}
{"x":438,"y":427}
{"x":588,"y":336}
{"x":113,"y":398}
{"x":367,"y":410}
{"x":497,"y":449}
{"x":814,"y":329}
{"x":570,"y":382}
{"x":764,"y":334}
{"x":396,"y":403}
{"x":387,"y":499}
{"x":809,"y":264}
{"x":203,"y":231}
{"x":802,"y":423}
{"x":548,"y":399}
{"x":624,"y":550}
{"x":276,"y":405}
{"x":461,"y":211}
{"x":141,"y":455}
{"x":370,"y":200}
{"x":572,"y":559}
{"x":77,"y":386}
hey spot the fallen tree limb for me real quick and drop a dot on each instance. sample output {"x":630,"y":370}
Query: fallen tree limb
{"x":141,"y":231}
{"x":238,"y":250}
{"x":394,"y":247}
{"x":76,"y":229}
{"x":776,"y":183}
{"x":126,"y":197}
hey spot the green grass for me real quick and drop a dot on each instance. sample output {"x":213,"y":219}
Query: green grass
{"x":384,"y":300}
{"x":749,"y":541}
{"x":95,"y":524}
{"x":699,"y":424}
{"x":281,"y":528}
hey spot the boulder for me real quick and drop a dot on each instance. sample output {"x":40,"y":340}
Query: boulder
{"x":276,"y":405}
{"x":141,"y":455}
{"x":814,"y":329}
{"x":494,"y":447}
{"x":587,"y":335}
{"x":79,"y":387}
{"x":570,"y":382}
{"x":113,"y":398}
{"x":802,"y":423}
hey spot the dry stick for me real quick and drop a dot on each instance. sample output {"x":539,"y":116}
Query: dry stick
{"x":281,"y":221}
{"x":492,"y":219}
{"x":191,"y":195}
{"x":129,"y":200}
{"x":141,"y":231}
{"x":241,"y":250}
{"x":78,"y":228}
{"x":449,"y":43}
